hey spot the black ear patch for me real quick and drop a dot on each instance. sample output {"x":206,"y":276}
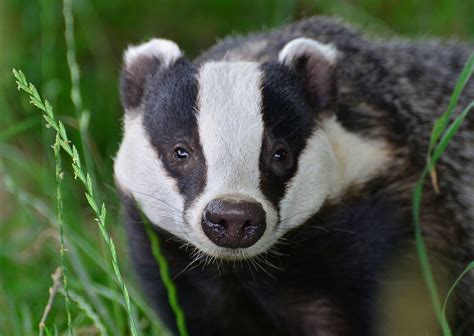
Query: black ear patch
{"x":315,"y":62}
{"x":140,"y":64}
{"x":133,"y":79}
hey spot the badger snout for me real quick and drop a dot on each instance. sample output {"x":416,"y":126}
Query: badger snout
{"x":233,"y":223}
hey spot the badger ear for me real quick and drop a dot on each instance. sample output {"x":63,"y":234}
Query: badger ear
{"x":139,"y":63}
{"x":315,"y":61}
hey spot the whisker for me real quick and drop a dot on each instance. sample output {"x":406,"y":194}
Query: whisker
{"x":173,"y":232}
{"x":276,"y":253}
{"x":193,"y":261}
{"x":162,"y":210}
{"x":294,"y":215}
{"x":156,"y":199}
{"x":347,"y":231}
{"x":262,"y":259}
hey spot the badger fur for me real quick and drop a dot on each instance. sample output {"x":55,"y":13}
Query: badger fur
{"x":278,"y":171}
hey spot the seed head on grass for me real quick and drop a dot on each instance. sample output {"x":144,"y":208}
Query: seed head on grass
{"x":81,"y":174}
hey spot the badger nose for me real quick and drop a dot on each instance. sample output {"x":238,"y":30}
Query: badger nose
{"x":232,"y":223}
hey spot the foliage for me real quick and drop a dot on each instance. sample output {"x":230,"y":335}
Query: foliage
{"x":63,"y":142}
{"x":441,"y":136}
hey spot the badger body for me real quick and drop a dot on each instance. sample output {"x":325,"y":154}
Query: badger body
{"x":278,"y":171}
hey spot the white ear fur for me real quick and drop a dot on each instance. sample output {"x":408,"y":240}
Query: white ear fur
{"x":316,"y":62}
{"x":165,"y":50}
{"x":305,"y":47}
{"x":140,"y":63}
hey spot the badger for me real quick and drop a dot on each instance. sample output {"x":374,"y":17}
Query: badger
{"x":277,"y":170}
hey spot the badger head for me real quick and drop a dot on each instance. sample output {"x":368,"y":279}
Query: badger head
{"x":229,"y":156}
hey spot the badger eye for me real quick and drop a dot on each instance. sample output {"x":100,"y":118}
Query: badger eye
{"x":280,"y":155}
{"x":181,"y":154}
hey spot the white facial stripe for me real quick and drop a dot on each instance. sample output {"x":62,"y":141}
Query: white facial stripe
{"x":230,"y":123}
{"x":139,"y":172}
{"x":231,"y":132}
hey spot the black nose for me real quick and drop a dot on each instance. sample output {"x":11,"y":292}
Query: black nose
{"x":232,"y":223}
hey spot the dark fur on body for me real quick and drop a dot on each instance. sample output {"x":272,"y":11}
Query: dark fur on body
{"x":326,"y":277}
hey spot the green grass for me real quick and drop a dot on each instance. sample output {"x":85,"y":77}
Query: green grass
{"x":63,"y":142}
{"x":165,"y":277}
{"x":76,"y":69}
{"x":441,"y":136}
{"x":62,"y":250}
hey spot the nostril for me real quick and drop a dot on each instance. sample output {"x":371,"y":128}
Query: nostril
{"x":223,"y":223}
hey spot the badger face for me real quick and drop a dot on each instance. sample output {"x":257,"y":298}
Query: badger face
{"x":227,"y":156}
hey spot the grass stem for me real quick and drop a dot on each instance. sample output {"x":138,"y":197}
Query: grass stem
{"x":53,"y":290}
{"x":82,"y":115}
{"x":62,"y":250}
{"x":441,"y":136}
{"x":81,"y":174}
{"x":165,"y":276}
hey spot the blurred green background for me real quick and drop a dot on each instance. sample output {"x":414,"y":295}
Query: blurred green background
{"x":32,"y":39}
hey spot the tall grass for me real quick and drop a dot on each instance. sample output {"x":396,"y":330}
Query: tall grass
{"x":87,"y":309}
{"x":81,"y":174}
{"x":441,"y":136}
{"x":62,"y":250}
{"x":82,"y":115}
{"x":165,"y":277}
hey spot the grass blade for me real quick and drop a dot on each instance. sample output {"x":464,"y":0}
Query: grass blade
{"x":440,"y":130}
{"x":82,"y":115}
{"x":165,"y":277}
{"x":469,"y":268}
{"x":56,"y":276}
{"x":423,"y":256}
{"x":18,"y":128}
{"x":442,"y":122}
{"x":81,"y":173}
{"x":59,"y":208}
{"x":87,"y":309}
{"x":449,"y":134}
{"x":71,"y":241}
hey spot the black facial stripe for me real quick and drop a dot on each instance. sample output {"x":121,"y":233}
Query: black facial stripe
{"x":170,"y":118}
{"x":287,"y":117}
